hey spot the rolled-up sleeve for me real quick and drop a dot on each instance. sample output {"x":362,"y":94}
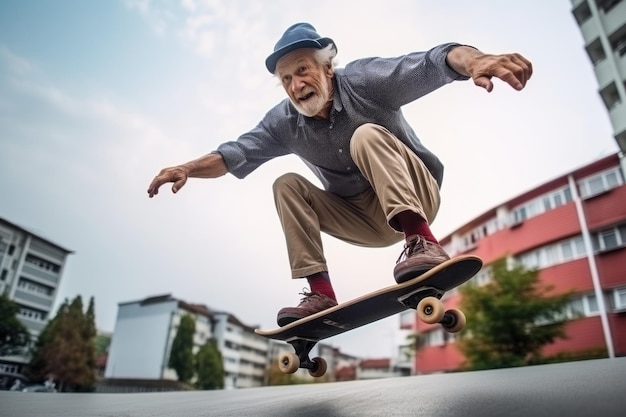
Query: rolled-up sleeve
{"x":254,"y":148}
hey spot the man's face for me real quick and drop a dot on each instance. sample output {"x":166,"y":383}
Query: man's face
{"x":308,"y":84}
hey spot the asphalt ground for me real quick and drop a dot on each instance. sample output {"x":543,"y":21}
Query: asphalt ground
{"x":588,"y":388}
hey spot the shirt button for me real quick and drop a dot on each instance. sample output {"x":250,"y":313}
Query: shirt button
{"x":340,"y":150}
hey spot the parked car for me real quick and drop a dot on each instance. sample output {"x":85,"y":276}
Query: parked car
{"x":39,"y":388}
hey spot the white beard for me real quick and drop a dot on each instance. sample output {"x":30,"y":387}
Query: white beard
{"x":315,"y":104}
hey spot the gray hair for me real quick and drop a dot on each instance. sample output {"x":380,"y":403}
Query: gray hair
{"x":326,"y":56}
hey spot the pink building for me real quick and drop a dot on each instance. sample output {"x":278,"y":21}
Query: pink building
{"x":573,"y":230}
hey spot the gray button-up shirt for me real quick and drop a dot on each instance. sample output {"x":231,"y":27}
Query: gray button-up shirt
{"x":370,"y":90}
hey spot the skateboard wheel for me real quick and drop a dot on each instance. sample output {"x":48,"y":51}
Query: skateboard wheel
{"x":320,"y":367}
{"x":289,"y":363}
{"x":454,"y":320}
{"x":430,"y":310}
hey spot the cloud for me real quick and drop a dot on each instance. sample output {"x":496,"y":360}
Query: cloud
{"x":159,"y":16}
{"x":14,"y":63}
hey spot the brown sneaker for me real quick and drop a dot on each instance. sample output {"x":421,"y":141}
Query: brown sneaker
{"x":419,"y":255}
{"x":312,"y":302}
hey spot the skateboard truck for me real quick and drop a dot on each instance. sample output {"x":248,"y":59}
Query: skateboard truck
{"x":412,"y":299}
{"x":430,"y":309}
{"x":290,"y":362}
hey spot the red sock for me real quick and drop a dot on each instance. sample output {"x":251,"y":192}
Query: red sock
{"x":413,"y":224}
{"x":320,"y":282}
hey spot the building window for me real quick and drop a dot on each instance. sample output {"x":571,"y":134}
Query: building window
{"x":607,"y":5}
{"x":582,"y":13}
{"x":619,"y":298}
{"x":434,"y":338}
{"x":610,"y":96}
{"x":618,"y":40}
{"x":483,"y":277}
{"x":549,"y":255}
{"x":519,"y":215}
{"x":34,"y":287}
{"x":30,"y":314}
{"x":610,"y":239}
{"x":541,"y":205}
{"x":600,"y":183}
{"x":554,"y":199}
{"x":596,"y":52}
{"x":43,"y":264}
{"x":231,"y":345}
{"x":9,"y":368}
{"x":583,"y":306}
{"x":571,"y":249}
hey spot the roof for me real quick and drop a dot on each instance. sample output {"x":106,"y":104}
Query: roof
{"x":195,"y":308}
{"x":232,"y":319}
{"x":375,"y":363}
{"x":200,"y":309}
{"x":585,"y":170}
{"x":35,"y":234}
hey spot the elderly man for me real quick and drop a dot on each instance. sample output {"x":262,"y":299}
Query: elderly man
{"x":381,"y":184}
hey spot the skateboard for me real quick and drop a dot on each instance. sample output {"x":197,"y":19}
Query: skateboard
{"x":422,"y":293}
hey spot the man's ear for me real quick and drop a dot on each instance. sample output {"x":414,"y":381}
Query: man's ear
{"x":330,"y":71}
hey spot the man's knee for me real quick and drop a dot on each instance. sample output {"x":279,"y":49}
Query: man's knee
{"x":368,"y":134}
{"x":287,"y":183}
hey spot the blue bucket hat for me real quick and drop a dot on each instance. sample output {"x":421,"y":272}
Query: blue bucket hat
{"x":300,"y":35}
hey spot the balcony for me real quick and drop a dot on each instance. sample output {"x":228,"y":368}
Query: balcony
{"x":45,"y":276}
{"x":33,"y":299}
{"x":33,"y":325}
{"x":614,"y":18}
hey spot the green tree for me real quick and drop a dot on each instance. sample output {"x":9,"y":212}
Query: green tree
{"x":209,"y":367}
{"x":181,"y":355}
{"x":89,"y":340}
{"x":38,"y":367}
{"x":102,"y":343}
{"x":510,"y":319}
{"x":14,"y":336}
{"x":65,"y":349}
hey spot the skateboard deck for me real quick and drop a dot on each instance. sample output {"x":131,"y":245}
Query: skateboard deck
{"x":421,"y":293}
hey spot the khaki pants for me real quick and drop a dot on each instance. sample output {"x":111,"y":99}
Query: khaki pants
{"x":400,"y":181}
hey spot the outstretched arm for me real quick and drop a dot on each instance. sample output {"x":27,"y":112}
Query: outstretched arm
{"x":208,"y":166}
{"x":513,"y":68}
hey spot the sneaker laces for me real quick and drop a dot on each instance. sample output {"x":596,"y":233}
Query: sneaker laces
{"x":410,"y":247}
{"x":308,"y":295}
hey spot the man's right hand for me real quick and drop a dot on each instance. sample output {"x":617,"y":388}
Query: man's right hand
{"x":207,"y":166}
{"x":178,"y":175}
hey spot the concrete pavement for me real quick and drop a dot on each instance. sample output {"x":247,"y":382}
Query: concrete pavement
{"x":589,"y":388}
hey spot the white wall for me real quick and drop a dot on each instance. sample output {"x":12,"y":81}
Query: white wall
{"x":138,"y":347}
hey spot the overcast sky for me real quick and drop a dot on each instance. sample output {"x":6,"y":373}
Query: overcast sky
{"x":97,"y":96}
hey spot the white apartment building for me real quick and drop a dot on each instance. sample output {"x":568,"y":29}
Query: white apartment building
{"x":145,"y":329}
{"x":244,"y":352}
{"x":603,"y":27}
{"x":143,"y":336}
{"x":31,"y":268}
